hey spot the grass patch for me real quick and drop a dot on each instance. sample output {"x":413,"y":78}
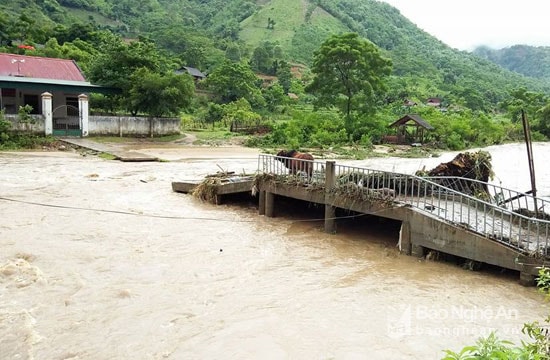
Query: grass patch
{"x":22,"y":141}
{"x":107,"y":156}
{"x":217,"y":137}
{"x":85,"y":16}
{"x":167,"y":138}
{"x":288,"y":14}
{"x":300,"y":27}
{"x":213,"y":134}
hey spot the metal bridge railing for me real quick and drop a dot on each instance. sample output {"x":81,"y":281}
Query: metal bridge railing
{"x":306,"y":172}
{"x":495,"y":215}
{"x":511,"y":199}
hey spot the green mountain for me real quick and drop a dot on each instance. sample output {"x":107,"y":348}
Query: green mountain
{"x":526,"y":60}
{"x":202,"y":32}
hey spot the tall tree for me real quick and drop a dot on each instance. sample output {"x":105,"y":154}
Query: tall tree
{"x":262,"y":60}
{"x":348,"y":73}
{"x":232,"y":81}
{"x":158,"y":95}
{"x":284,"y":75}
{"x":233,"y":52}
{"x":118,"y":61}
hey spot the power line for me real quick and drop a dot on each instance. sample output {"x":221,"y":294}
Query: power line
{"x":172,"y":217}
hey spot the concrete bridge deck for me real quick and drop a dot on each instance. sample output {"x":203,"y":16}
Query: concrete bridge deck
{"x":457,"y":216}
{"x":476,"y":221}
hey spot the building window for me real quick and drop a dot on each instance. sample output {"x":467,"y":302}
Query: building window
{"x":8,"y":93}
{"x":32,"y":100}
{"x":72,"y":106}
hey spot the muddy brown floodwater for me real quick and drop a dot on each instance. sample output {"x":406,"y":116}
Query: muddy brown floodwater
{"x":101,"y":260}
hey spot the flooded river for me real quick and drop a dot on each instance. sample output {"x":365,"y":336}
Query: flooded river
{"x":100,"y":259}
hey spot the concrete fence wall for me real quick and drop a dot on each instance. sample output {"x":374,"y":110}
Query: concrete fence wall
{"x":108,"y":125}
{"x":133,"y":126}
{"x":35,"y":126}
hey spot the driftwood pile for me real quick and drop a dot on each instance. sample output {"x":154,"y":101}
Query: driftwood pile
{"x":208,"y":188}
{"x":468,"y":165}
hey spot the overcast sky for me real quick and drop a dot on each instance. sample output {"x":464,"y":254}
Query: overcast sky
{"x":465,"y":24}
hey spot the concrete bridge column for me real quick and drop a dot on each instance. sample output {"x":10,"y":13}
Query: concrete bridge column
{"x":405,"y":246}
{"x":269,"y":204}
{"x":330,"y":211}
{"x":417,"y":250}
{"x":330,"y":219}
{"x":261,"y":203}
{"x":47,"y":113}
{"x":526,"y":279}
{"x":83,"y":111}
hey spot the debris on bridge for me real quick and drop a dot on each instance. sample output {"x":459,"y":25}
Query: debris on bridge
{"x":220,"y":183}
{"x":215,"y":185}
{"x":384,"y":197}
{"x":469,"y":165}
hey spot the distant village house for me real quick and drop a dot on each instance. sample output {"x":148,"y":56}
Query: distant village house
{"x":433,"y":101}
{"x":195,"y":73}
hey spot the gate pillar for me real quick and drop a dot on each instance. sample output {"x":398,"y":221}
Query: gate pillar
{"x":83,"y":113}
{"x":47,"y":113}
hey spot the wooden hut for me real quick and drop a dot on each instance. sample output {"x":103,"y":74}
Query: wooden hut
{"x":410,"y":129}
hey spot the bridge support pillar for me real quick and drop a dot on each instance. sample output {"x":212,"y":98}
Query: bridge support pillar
{"x":261,"y":202}
{"x":417,"y":250}
{"x":330,"y":211}
{"x":330,"y":219}
{"x":269,"y":204}
{"x":405,"y":238}
{"x":526,"y":279}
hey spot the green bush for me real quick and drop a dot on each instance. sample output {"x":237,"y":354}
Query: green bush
{"x":454,"y":142}
{"x":491,"y":347}
{"x":5,"y":127}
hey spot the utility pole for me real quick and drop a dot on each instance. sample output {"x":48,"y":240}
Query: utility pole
{"x":529,"y":144}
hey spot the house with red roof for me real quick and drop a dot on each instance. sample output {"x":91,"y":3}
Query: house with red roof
{"x":54,"y":88}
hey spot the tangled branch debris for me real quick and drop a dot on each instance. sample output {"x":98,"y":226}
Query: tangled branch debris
{"x":208,"y":188}
{"x":383,"y":197}
{"x":469,"y":165}
{"x":297,"y":180}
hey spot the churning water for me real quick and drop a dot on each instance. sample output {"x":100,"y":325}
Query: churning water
{"x":117,"y":266}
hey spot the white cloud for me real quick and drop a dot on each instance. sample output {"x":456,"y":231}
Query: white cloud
{"x":468,"y":23}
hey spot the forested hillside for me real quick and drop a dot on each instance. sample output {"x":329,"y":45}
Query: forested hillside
{"x":119,"y":42}
{"x":526,"y":60}
{"x":201,"y":32}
